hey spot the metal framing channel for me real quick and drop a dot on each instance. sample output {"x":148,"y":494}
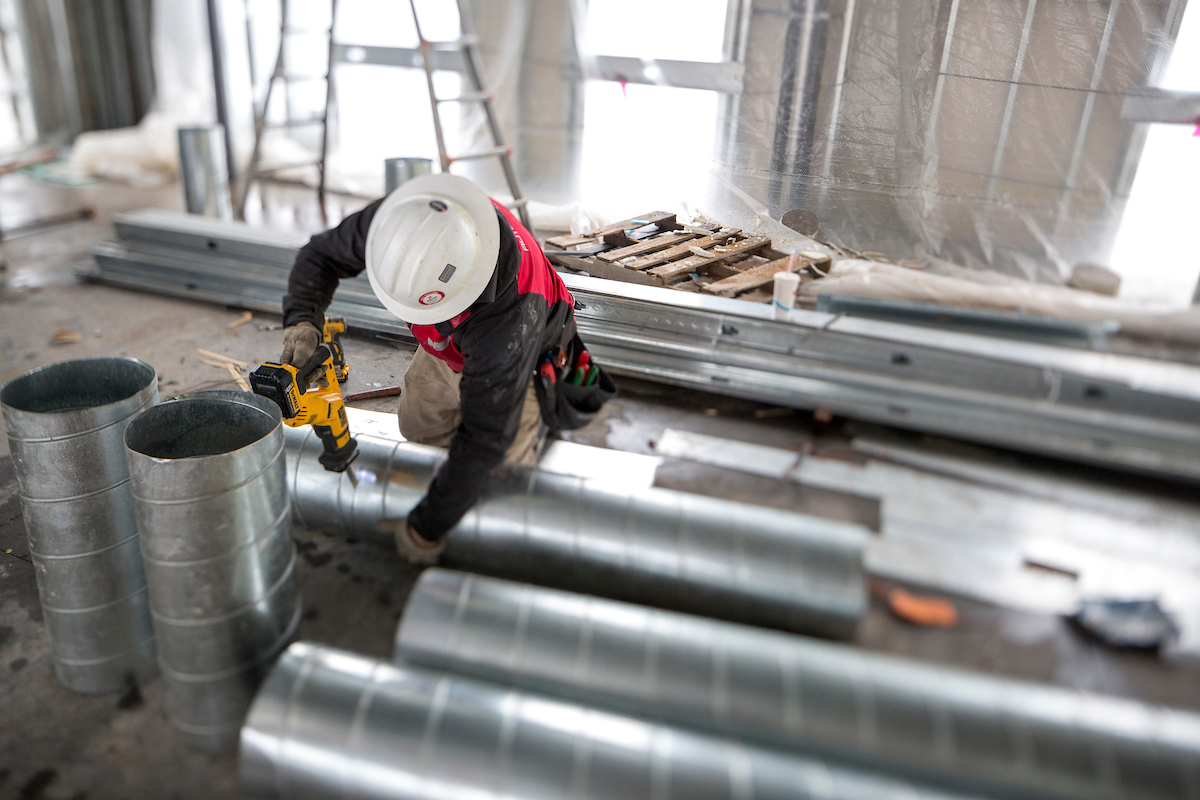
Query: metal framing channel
{"x":65,"y":424}
{"x":210,"y":488}
{"x":329,"y":723}
{"x":939,"y":726}
{"x":1010,"y":102}
{"x":665,"y":548}
{"x":738,"y":17}
{"x":1132,"y":413}
{"x":839,"y":81}
{"x":931,"y":145}
{"x":1064,"y":201}
{"x":65,"y":63}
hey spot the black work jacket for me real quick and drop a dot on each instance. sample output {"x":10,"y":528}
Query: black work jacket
{"x":509,"y":327}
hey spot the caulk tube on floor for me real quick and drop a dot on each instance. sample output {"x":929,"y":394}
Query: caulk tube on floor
{"x":65,"y":425}
{"x":333,"y":724}
{"x":786,"y":286}
{"x":931,"y":724}
{"x":660,"y":547}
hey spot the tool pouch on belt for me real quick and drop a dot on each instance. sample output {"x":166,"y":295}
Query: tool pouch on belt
{"x":566,"y":406}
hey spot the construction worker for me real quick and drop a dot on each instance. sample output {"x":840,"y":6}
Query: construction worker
{"x":488,"y":311}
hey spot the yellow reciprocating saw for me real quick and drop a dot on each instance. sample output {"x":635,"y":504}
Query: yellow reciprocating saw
{"x":332,"y":337}
{"x":322,"y":407}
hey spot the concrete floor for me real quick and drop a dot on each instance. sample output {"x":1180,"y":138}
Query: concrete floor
{"x":56,"y":744}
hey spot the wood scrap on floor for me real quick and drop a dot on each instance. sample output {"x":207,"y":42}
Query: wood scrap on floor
{"x":655,"y":249}
{"x":64,"y":336}
{"x":222,"y":358}
{"x":242,"y":320}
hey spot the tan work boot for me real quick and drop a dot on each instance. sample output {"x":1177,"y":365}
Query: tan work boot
{"x":415,"y":550}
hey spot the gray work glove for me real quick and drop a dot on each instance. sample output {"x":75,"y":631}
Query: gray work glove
{"x":299,"y":342}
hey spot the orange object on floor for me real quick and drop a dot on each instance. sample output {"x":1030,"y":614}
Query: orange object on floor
{"x":930,"y":612}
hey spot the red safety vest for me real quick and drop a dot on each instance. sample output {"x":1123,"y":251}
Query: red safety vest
{"x":535,"y":275}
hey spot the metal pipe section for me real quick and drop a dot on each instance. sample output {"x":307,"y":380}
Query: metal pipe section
{"x":939,"y":726}
{"x":210,"y":488}
{"x":65,"y":426}
{"x":402,"y":170}
{"x":204,"y":172}
{"x":331,"y":724}
{"x":655,"y":546}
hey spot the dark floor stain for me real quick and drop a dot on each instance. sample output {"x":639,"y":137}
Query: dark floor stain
{"x":5,"y":634}
{"x":343,"y":568}
{"x":17,"y":664}
{"x":384,"y":598}
{"x":318,"y":559}
{"x":4,"y":773}
{"x":34,"y":787}
{"x":306,"y":547}
{"x":351,"y":540}
{"x":357,"y":578}
{"x":310,"y":614}
{"x":131,"y":699}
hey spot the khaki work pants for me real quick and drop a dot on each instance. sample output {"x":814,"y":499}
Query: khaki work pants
{"x":430,"y":410}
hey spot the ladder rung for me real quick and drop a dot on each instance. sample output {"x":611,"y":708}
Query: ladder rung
{"x":291,"y":30}
{"x":281,"y":167}
{"x":296,"y":123}
{"x":300,"y":78}
{"x":467,"y":97}
{"x":495,"y":152}
{"x":453,"y":46}
{"x":519,"y":203}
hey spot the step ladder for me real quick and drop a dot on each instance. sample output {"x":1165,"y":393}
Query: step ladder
{"x":255,"y":171}
{"x":468,"y":46}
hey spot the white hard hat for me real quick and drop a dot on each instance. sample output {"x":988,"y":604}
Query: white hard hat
{"x":432,"y":248}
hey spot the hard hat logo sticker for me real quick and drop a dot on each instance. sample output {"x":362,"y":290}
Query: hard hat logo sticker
{"x":431,"y":298}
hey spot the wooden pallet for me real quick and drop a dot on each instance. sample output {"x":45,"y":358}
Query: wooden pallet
{"x":655,"y":249}
{"x":763,"y":274}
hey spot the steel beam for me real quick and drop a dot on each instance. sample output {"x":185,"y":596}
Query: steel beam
{"x":1161,"y":105}
{"x":723,"y":76}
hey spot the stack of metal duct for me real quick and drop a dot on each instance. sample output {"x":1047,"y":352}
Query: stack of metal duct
{"x":656,"y":546}
{"x":328,"y":723}
{"x":65,"y":426}
{"x":1121,"y":411}
{"x":210,"y":488}
{"x":935,"y":725}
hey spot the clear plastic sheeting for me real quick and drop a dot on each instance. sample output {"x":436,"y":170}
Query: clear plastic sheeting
{"x":986,"y":134}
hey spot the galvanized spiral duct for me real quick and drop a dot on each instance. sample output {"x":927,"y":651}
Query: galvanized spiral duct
{"x":65,"y":426}
{"x":331,"y":724}
{"x":210,"y":487}
{"x":946,"y":727}
{"x":656,"y":546}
